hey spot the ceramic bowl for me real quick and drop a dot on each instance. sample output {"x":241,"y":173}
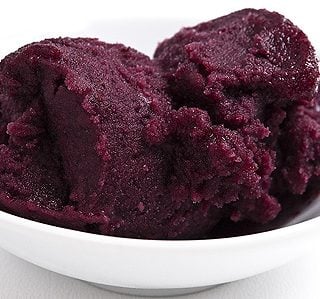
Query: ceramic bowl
{"x":153,"y":267}
{"x":150,"y":267}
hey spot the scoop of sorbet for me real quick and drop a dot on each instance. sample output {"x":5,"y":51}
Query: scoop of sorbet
{"x":223,"y":124}
{"x":76,"y":119}
{"x":255,"y":73}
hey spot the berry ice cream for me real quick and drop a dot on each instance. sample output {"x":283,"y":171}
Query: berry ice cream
{"x":79,"y":118}
{"x":222,"y":125}
{"x":256,"y":74}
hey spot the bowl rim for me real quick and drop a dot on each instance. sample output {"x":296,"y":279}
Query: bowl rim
{"x":261,"y":237}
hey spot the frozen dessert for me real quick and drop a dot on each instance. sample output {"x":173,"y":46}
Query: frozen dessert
{"x":221,"y":126}
{"x":80,"y":118}
{"x":256,"y":74}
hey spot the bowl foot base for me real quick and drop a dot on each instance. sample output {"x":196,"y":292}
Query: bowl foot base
{"x":152,"y":292}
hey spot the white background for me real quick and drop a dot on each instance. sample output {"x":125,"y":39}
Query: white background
{"x":142,"y":24}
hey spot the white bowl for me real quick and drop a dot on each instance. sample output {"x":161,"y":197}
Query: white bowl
{"x":151,"y":267}
{"x":147,"y":267}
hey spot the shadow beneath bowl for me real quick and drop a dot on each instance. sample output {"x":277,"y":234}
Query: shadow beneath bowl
{"x":152,"y":292}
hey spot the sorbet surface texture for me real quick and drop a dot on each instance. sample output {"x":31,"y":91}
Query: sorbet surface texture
{"x":223,"y":124}
{"x":255,"y":73}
